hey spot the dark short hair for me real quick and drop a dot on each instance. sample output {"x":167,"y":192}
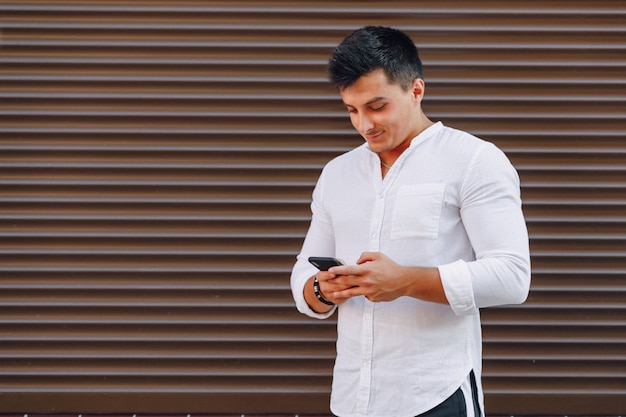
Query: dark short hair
{"x":371,"y":48}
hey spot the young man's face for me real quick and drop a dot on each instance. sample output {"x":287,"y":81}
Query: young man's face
{"x":384,"y":114}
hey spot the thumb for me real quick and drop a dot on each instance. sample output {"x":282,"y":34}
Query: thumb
{"x":367,"y":257}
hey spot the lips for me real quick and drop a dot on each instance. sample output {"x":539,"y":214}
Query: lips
{"x":373,"y":136}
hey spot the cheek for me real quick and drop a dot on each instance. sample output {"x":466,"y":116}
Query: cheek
{"x":398,"y":120}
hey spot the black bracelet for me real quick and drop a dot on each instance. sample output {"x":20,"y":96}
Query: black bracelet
{"x":318,"y":294}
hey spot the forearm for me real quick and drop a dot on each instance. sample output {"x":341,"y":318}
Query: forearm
{"x":424,"y":284}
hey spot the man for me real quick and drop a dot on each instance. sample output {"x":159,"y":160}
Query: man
{"x":428,"y":223}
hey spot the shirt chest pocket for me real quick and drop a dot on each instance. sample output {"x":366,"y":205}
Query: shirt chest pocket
{"x":417,"y":211}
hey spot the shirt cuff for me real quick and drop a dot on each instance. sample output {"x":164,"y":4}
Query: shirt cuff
{"x":457,"y":284}
{"x":304,"y":308}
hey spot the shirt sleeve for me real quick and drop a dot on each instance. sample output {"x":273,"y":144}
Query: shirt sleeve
{"x":491,"y":211}
{"x":319,"y":241}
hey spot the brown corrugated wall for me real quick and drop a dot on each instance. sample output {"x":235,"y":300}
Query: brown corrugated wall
{"x":156,"y":165}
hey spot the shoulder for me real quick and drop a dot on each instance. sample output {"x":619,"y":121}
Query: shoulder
{"x":460,"y":139}
{"x":470,"y":146}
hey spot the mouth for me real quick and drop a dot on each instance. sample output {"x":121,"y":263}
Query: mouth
{"x":372,"y":136}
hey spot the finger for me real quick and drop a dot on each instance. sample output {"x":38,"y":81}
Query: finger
{"x":348,"y":293}
{"x":346,"y":281}
{"x":367,"y":257}
{"x":323,"y":276}
{"x":341,"y":270}
{"x":339,"y":296}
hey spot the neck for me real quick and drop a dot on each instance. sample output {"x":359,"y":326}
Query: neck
{"x":388,"y":158}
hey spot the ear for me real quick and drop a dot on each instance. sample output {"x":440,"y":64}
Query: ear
{"x":417,"y":89}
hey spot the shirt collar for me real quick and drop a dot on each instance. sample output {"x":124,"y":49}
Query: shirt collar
{"x":425,"y":134}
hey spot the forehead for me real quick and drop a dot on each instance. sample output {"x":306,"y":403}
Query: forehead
{"x":370,"y":87}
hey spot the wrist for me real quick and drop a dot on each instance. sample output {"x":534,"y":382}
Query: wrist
{"x":318,"y":293}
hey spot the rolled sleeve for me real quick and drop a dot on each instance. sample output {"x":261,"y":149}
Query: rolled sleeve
{"x":457,"y":285}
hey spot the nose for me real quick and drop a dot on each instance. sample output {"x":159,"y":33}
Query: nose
{"x":364,"y":124}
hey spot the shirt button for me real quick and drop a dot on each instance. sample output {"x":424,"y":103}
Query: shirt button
{"x":368,"y":316}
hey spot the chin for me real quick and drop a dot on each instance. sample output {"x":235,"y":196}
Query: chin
{"x":377,"y":147}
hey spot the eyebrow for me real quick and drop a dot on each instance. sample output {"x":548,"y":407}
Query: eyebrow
{"x":372,"y":101}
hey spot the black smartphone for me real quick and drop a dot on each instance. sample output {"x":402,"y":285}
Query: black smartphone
{"x":323,"y":262}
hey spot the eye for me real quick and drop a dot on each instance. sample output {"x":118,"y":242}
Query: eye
{"x":378,"y":108}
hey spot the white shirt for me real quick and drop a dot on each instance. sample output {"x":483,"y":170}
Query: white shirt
{"x":450,"y":201}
